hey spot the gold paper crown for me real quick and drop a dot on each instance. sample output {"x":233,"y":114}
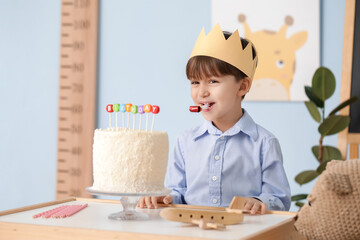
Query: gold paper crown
{"x":228,"y":50}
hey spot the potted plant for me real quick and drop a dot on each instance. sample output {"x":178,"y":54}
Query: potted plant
{"x":323,"y":87}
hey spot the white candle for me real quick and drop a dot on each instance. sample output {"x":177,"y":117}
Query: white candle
{"x":140,"y":122}
{"x":155,"y":110}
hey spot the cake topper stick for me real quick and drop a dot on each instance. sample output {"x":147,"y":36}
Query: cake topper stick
{"x":116,"y":110}
{"x":128,"y":110}
{"x":109,"y":109}
{"x":155,"y":110}
{"x":141,"y":112}
{"x":134,"y":111}
{"x":122,"y":109}
{"x":147,"y":109}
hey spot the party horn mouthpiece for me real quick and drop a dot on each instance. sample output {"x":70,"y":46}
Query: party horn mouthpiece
{"x":195,"y":109}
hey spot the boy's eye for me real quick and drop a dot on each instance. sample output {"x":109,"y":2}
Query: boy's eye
{"x":194,"y":82}
{"x":213,"y":81}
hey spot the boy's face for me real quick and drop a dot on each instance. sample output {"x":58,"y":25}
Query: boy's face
{"x":220,"y":99}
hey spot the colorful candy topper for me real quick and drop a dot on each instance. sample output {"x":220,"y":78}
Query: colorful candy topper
{"x":109,"y":109}
{"x":134,"y":111}
{"x":147,"y":108}
{"x":155,"y":110}
{"x":122,"y":107}
{"x":195,"y":109}
{"x":140,"y":109}
{"x":128,"y":107}
{"x":116,"y":108}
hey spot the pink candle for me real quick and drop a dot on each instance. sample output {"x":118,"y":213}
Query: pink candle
{"x":62,"y":211}
{"x":79,"y":208}
{"x":49,"y":212}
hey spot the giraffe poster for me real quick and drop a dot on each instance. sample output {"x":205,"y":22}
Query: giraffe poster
{"x":286,"y":35}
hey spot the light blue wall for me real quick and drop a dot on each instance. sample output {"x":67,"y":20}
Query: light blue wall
{"x":144,"y":46}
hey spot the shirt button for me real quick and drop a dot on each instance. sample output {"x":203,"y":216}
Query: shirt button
{"x":217,"y":157}
{"x":214,"y":178}
{"x":214,"y":200}
{"x":222,"y":137}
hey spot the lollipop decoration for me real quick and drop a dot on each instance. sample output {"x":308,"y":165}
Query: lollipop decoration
{"x":134,"y":111}
{"x":141,"y":112}
{"x":116,"y":109}
{"x":122,"y":109}
{"x":128,"y":110}
{"x":147,"y":109}
{"x":109,"y":109}
{"x":155,"y":110}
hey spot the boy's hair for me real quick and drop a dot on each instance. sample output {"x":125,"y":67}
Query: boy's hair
{"x":200,"y":67}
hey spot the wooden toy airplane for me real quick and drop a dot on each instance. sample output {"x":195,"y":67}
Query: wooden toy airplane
{"x":206,"y":217}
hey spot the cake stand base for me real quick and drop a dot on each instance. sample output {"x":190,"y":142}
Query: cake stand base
{"x":129,"y":204}
{"x":129,"y":216}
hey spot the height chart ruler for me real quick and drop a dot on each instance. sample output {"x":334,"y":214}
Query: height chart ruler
{"x":77,"y":96}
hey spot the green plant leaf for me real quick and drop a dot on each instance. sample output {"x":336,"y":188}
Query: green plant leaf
{"x":315,"y":151}
{"x":344,"y":104}
{"x":333,"y":124}
{"x":298,"y":197}
{"x":306,"y":176}
{"x":309,"y":92}
{"x":323,"y":83}
{"x":329,"y":153}
{"x":299,"y":204}
{"x":314,"y":111}
{"x":322,"y":166}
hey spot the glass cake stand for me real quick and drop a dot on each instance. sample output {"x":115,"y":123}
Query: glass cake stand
{"x":128,"y":202}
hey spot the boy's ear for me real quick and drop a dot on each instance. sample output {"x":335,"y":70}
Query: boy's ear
{"x":245,"y":85}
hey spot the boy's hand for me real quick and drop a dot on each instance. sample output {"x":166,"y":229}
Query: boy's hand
{"x":254,"y":206}
{"x":152,"y":202}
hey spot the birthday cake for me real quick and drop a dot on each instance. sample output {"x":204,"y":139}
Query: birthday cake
{"x":129,"y":161}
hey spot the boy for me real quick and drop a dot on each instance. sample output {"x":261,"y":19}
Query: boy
{"x":229,"y":155}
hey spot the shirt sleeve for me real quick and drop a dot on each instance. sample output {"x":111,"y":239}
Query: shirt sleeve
{"x":275,"y":186}
{"x":175,"y":175}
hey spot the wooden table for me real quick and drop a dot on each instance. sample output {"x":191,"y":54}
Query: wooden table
{"x":93,"y":223}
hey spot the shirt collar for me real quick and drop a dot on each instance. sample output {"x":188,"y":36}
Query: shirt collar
{"x":246,"y":125}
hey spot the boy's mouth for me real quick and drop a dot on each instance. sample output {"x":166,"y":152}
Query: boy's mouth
{"x":207,"y":106}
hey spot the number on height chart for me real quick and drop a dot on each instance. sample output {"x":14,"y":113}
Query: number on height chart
{"x":78,"y":45}
{"x":82,"y":3}
{"x":78,"y":67}
{"x":75,"y":172}
{"x":76,"y":129}
{"x":77,"y":88}
{"x":74,"y":192}
{"x":81,"y":24}
{"x":76,"y":108}
{"x":76,"y":151}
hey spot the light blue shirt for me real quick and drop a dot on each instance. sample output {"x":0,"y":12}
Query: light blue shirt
{"x":209,"y":167}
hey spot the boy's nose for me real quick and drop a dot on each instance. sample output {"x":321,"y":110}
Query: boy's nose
{"x":204,"y":92}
